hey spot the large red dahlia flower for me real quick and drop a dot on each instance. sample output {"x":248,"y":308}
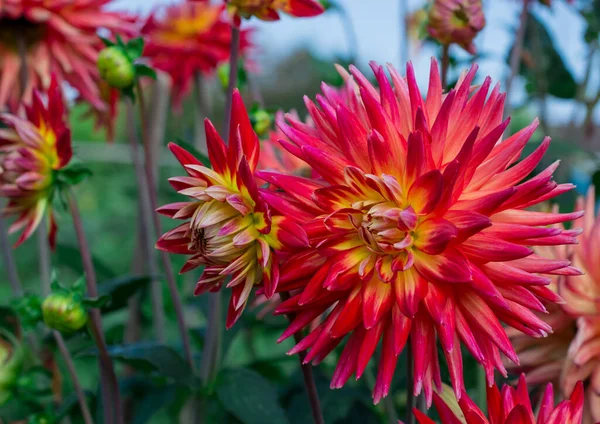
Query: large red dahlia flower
{"x":228,"y":227}
{"x":190,"y":37}
{"x":417,"y":228}
{"x":57,"y":37}
{"x":31,"y":151}
{"x":508,"y":406}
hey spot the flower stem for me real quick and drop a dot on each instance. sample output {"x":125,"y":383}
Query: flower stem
{"x":62,"y":347}
{"x":445,"y":65}
{"x":152,"y":196}
{"x":146,"y":227}
{"x":202,"y":109}
{"x":309,"y":381}
{"x":516,"y":53}
{"x":233,"y":71}
{"x":9,"y":261}
{"x":411,"y":400}
{"x":44,"y":256}
{"x":110,"y":384}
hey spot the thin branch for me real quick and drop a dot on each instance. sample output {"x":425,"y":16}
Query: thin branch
{"x":62,"y":347}
{"x":110,"y":384}
{"x":152,"y":196}
{"x":309,"y":381}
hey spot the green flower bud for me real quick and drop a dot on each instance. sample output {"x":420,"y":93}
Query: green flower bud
{"x":115,"y":67}
{"x":261,"y":121}
{"x":63,"y":312}
{"x":11,"y":364}
{"x":223,"y":75}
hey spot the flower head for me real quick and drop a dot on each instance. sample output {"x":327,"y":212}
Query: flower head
{"x":418,"y":227}
{"x":229,"y":228}
{"x":456,"y":21}
{"x":268,"y":10}
{"x":57,"y":37}
{"x":64,"y":312}
{"x":508,"y":406}
{"x":190,"y":37}
{"x":31,"y":151}
{"x":572,"y":353}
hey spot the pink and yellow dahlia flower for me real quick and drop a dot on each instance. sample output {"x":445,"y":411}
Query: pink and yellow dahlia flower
{"x":456,"y":21}
{"x":190,"y":37}
{"x":58,"y":37}
{"x":31,"y":151}
{"x":419,"y":227}
{"x":268,"y":10}
{"x":229,"y":228}
{"x":508,"y":406}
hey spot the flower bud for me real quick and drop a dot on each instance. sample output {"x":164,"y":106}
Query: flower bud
{"x":456,"y":21}
{"x":261,"y":121}
{"x":115,"y":67}
{"x":11,"y":364}
{"x":63,"y":312}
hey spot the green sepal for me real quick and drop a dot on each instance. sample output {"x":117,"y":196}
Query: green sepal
{"x":96,"y":302}
{"x":142,"y":70}
{"x":135,"y":48}
{"x":73,"y":174}
{"x":107,"y":42}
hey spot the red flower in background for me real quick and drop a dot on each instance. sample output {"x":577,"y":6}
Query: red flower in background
{"x":509,"y":406}
{"x":268,"y":10}
{"x":229,"y":228}
{"x":190,"y":37}
{"x":58,"y":37}
{"x":418,"y":227}
{"x":31,"y":150}
{"x":106,"y":116}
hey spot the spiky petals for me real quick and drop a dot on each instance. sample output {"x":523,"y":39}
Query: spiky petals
{"x":31,"y":150}
{"x":508,"y":406}
{"x":268,"y":10}
{"x":419,"y":220}
{"x":61,"y":38}
{"x":228,"y":228}
{"x":189,"y":37}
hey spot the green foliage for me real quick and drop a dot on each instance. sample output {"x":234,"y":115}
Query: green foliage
{"x":249,"y":397}
{"x":195,"y":152}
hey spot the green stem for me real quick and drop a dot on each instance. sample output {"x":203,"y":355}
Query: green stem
{"x":109,"y":383}
{"x":152,"y":196}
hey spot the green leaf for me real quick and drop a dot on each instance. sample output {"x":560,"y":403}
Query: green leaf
{"x":70,"y":257}
{"x":96,"y":302}
{"x":120,"y":43}
{"x":151,"y":357}
{"x":107,"y":42}
{"x":73,"y":175}
{"x":249,"y":397}
{"x":142,"y":70}
{"x":119,"y":290}
{"x":135,"y":48}
{"x":195,"y":152}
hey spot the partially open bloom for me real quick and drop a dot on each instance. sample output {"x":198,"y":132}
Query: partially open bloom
{"x":31,"y":151}
{"x":229,"y":228}
{"x":64,"y":312}
{"x":418,"y":227}
{"x":456,"y":21}
{"x":268,"y":10}
{"x":56,"y":37}
{"x":508,"y":406}
{"x":189,"y":37}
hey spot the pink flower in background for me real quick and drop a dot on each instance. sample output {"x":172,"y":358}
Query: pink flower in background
{"x":268,"y":10}
{"x":56,"y":37}
{"x":456,"y":21}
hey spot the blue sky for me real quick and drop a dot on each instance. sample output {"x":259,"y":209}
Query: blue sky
{"x":379,"y":33}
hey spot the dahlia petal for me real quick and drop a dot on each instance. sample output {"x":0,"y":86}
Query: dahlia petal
{"x":447,"y":267}
{"x":350,"y":316}
{"x":426,"y":192}
{"x":367,"y":348}
{"x":434,"y":235}
{"x":377,"y":300}
{"x":387,"y":366}
{"x":410,"y":289}
{"x":484,"y":248}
